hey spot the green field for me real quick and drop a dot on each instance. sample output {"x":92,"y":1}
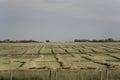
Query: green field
{"x":60,"y":61}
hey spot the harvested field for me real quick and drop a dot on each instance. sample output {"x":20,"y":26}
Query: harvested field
{"x":59,"y":61}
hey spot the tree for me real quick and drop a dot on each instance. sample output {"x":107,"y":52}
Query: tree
{"x":109,"y":40}
{"x":47,"y":41}
{"x":6,"y":40}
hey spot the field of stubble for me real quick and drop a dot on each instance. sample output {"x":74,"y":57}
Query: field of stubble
{"x":59,"y":61}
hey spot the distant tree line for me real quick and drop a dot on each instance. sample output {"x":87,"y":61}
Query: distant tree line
{"x":22,"y":41}
{"x":18,"y":41}
{"x":48,"y":41}
{"x":102,"y":40}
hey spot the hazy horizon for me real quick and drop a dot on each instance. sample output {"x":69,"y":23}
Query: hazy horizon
{"x":59,"y":20}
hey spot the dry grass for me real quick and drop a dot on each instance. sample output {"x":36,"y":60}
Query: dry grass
{"x":77,"y":56}
{"x":71,"y":57}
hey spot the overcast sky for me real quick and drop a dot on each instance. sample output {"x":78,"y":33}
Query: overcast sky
{"x":59,"y":20}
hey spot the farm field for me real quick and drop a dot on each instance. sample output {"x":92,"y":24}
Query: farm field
{"x":95,"y":60}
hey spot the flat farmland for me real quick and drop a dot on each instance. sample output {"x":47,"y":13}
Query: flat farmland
{"x":60,"y":57}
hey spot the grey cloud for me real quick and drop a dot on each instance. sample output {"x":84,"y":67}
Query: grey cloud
{"x":59,"y":19}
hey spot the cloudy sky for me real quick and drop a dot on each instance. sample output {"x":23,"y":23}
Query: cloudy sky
{"x":59,"y":20}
